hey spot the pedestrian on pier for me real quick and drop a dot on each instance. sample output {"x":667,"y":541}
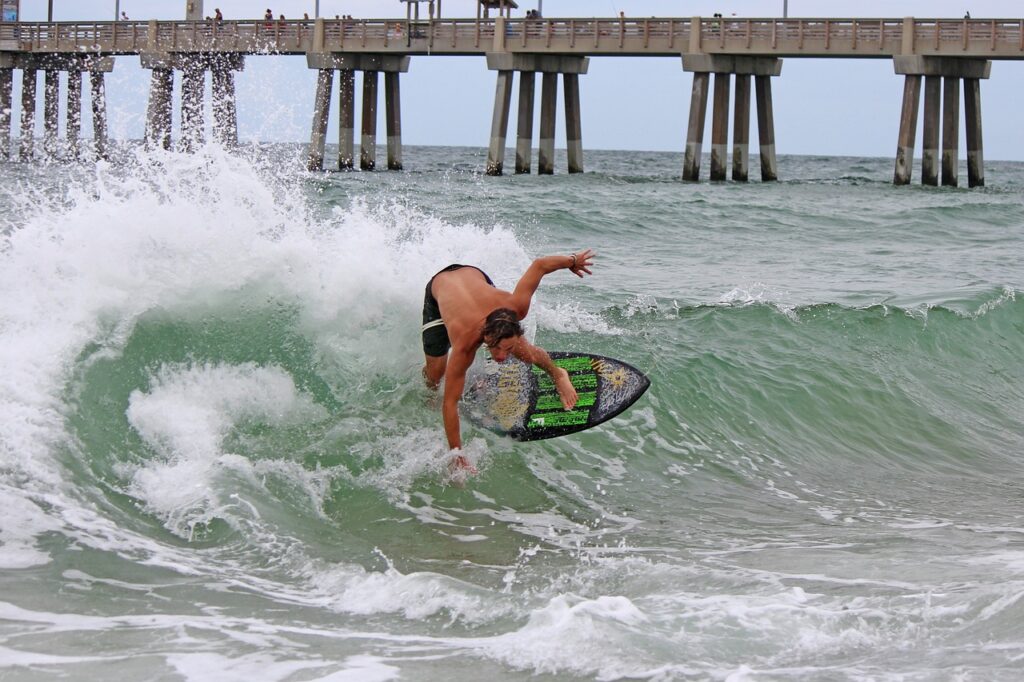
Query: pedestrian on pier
{"x":268,"y":15}
{"x":124,"y":17}
{"x":217,"y":15}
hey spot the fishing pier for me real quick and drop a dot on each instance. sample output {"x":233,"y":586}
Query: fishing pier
{"x":732,"y":61}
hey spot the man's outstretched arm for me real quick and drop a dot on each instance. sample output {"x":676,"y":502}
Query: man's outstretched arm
{"x":577,"y":263}
{"x":454,"y":383}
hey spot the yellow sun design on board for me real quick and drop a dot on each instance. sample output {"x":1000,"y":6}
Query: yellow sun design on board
{"x":616,"y":377}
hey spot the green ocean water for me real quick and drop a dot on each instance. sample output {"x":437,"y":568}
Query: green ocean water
{"x":218,"y":461}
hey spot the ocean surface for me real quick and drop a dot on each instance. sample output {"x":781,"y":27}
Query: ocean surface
{"x":218,"y":460}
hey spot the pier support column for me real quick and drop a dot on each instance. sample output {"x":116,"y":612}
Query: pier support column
{"x":972,"y":116}
{"x":73,"y":126}
{"x":524,"y":138}
{"x":950,"y":130}
{"x":908,"y":130}
{"x":499,"y":123}
{"x":6,"y":92}
{"x":321,"y":110}
{"x":51,"y":112}
{"x":548,"y":110}
{"x":159,"y":111}
{"x":930,"y":143}
{"x":724,"y":66}
{"x":938,"y":72}
{"x":225,"y":107}
{"x":348,"y":63}
{"x":393,"y":119}
{"x":766,"y":129}
{"x":346,"y":119}
{"x":573,"y":123}
{"x":28,"y":113}
{"x":192,"y":86}
{"x":720,"y":126}
{"x":368,"y":142}
{"x":98,"y":94}
{"x":741,"y":129}
{"x":695,"y":128}
{"x":527,"y":65}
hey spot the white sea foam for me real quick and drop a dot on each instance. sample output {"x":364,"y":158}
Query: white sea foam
{"x":184,"y":418}
{"x":187,"y":233}
{"x":578,"y":636}
{"x":20,"y":522}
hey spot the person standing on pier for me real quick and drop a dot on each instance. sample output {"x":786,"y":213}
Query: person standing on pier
{"x":462,"y":310}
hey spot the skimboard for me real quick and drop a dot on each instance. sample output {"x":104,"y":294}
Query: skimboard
{"x":520,"y":400}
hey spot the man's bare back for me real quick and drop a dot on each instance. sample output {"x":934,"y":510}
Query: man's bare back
{"x":466,"y":299}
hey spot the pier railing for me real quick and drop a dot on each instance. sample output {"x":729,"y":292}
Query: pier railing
{"x":863,"y":38}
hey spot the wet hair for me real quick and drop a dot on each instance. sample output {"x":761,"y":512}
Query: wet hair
{"x":501,"y":324}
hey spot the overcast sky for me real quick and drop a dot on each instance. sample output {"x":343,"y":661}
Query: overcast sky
{"x":830,"y":107}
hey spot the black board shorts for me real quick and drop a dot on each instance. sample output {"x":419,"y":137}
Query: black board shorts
{"x":435,"y":336}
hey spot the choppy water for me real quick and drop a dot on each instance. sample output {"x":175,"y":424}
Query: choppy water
{"x":217,"y":460}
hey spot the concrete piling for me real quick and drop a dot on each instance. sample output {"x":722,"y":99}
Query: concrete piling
{"x":766,"y":128}
{"x":724,"y":67}
{"x":499,"y":123}
{"x":51,"y":111}
{"x":346,"y":119}
{"x":950,"y":130}
{"x":192,"y":125}
{"x":930,"y":133}
{"x":393,"y":119}
{"x":347,"y":64}
{"x":98,"y":94}
{"x":74,"y":113}
{"x":942,"y":76}
{"x":159,"y":110}
{"x":741,"y":129}
{"x":527,"y":66}
{"x":573,"y":123}
{"x":368,"y":142}
{"x":321,"y":110}
{"x":524,"y":129}
{"x":972,"y":121}
{"x":28,"y":112}
{"x":548,"y":110}
{"x":225,"y":109}
{"x":695,"y":128}
{"x":6,"y":91}
{"x":159,"y":114}
{"x":908,"y":130}
{"x":720,"y":126}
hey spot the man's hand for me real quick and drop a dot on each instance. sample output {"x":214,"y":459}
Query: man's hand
{"x":460,"y":469}
{"x":566,"y":391}
{"x":459,"y":462}
{"x":581,"y":262}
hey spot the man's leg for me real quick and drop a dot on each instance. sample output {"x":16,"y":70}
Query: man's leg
{"x":433,"y":369}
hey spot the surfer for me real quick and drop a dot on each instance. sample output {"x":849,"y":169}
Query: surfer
{"x":462,"y":309}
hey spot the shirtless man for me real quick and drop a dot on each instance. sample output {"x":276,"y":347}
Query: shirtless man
{"x":462,"y":309}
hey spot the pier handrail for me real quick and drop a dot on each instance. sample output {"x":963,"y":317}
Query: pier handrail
{"x":806,"y":37}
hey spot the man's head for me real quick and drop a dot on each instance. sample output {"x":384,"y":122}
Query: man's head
{"x":501,"y":332}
